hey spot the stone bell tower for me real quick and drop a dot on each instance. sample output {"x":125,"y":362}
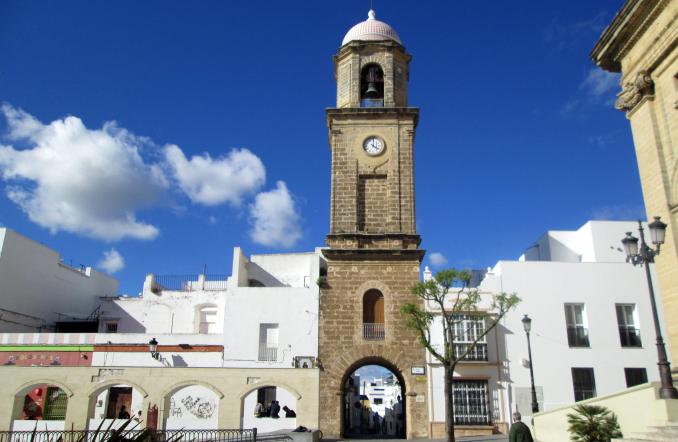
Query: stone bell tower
{"x":373,"y":256}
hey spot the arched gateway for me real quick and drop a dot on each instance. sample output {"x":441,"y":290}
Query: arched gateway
{"x":373,"y":253}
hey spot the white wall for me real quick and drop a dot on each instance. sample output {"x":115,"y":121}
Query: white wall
{"x":192,"y":408}
{"x":544,"y":288}
{"x":34,"y":283}
{"x":268,"y":424}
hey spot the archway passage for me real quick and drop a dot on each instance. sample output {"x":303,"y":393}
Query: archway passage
{"x":41,"y":402}
{"x":373,"y":403}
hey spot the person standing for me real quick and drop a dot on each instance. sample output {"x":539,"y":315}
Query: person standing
{"x":519,"y":431}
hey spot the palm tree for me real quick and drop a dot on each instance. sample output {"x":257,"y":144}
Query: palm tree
{"x":593,"y":423}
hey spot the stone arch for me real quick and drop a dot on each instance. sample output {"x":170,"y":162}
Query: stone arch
{"x":111,"y":382}
{"x":372,"y":284}
{"x":183,"y":384}
{"x":401,"y":425}
{"x":29,"y":384}
{"x":266,"y":383}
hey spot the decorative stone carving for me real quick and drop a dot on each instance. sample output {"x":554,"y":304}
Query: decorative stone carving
{"x":634,"y":91}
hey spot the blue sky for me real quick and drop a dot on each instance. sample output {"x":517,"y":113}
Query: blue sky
{"x":155,"y":136}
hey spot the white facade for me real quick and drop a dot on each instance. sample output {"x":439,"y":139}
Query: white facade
{"x":584,"y":268}
{"x":263,"y":315}
{"x":36,"y":286}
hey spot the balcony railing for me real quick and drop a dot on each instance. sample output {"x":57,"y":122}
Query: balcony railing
{"x":630,"y":336}
{"x":577,"y":336}
{"x":268,"y":354}
{"x":372,"y":102}
{"x":479,"y":353}
{"x":373,"y":332}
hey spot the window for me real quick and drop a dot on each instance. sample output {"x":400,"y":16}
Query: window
{"x":266,"y":395}
{"x":467,"y":328}
{"x":577,"y":333}
{"x":56,"y":401}
{"x":471,"y":406}
{"x":111,"y":327}
{"x":268,"y":342}
{"x":635,"y":376}
{"x":584,"y":384}
{"x":372,"y":86}
{"x":207,"y":319}
{"x":378,"y":401}
{"x":629,"y":334}
{"x":373,"y":315}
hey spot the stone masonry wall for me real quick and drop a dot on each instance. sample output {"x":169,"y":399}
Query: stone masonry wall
{"x":342,"y":348}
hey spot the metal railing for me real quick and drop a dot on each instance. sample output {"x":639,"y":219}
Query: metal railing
{"x":190,"y":283}
{"x":244,"y":435}
{"x":268,"y":354}
{"x":630,"y":336}
{"x":373,"y":332}
{"x":471,"y":403}
{"x":577,"y":336}
{"x":478,"y":353}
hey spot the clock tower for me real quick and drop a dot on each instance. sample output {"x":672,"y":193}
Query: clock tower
{"x":373,"y":253}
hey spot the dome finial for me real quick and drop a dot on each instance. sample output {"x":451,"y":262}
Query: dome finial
{"x":371,"y":15}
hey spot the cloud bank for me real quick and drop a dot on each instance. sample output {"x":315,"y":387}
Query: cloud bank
{"x":94,"y":182}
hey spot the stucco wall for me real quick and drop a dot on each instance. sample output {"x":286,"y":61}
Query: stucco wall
{"x":34,"y":282}
{"x":84,"y":384}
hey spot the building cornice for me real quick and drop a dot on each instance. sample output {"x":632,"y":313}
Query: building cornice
{"x":627,"y":27}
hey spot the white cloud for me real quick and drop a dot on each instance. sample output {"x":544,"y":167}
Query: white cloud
{"x":600,"y":83}
{"x":80,"y":180}
{"x":437,"y":259}
{"x":274,"y":217}
{"x":112,"y":261}
{"x":618,"y":213}
{"x":211,"y":181}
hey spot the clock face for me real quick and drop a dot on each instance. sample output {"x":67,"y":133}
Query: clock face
{"x":373,"y":145}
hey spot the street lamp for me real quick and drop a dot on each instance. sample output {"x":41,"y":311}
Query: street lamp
{"x":527,"y":325}
{"x":153,"y":348}
{"x":642,"y":254}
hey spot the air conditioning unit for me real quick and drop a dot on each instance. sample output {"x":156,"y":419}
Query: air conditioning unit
{"x":304,"y":362}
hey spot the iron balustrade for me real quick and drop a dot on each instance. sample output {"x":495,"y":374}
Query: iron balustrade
{"x":190,"y":283}
{"x":373,"y":332}
{"x":471,"y":403}
{"x":630,"y":336}
{"x":226,"y":435}
{"x":268,"y":354}
{"x":478,"y":353}
{"x":577,"y":336}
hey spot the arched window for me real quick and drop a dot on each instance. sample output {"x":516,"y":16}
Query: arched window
{"x":373,"y":315}
{"x":372,"y":86}
{"x":206,"y":319}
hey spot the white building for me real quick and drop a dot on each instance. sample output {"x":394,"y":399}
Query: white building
{"x":592,"y":329}
{"x":37,"y":288}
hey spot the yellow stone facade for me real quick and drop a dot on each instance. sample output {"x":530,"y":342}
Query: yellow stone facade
{"x":82,"y":384}
{"x":642,"y":44}
{"x":373,"y":244}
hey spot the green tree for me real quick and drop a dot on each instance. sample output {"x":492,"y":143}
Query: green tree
{"x":451,"y":298}
{"x":593,"y":423}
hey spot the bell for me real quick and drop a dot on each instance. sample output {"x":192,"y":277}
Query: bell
{"x":371,"y":91}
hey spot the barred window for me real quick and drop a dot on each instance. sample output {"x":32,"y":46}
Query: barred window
{"x":467,"y":328}
{"x":471,"y":403}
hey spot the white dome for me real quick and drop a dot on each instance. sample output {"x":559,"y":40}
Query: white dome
{"x":372,"y":30}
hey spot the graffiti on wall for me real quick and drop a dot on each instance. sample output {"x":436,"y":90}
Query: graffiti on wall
{"x":191,"y":402}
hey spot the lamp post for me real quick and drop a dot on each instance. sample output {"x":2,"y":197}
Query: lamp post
{"x":527,"y":325}
{"x":645,"y":255}
{"x":153,"y":349}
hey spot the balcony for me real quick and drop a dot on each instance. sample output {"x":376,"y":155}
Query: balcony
{"x":268,"y":354}
{"x":577,"y":336}
{"x":373,"y":332}
{"x":372,"y":102}
{"x":477,"y":354}
{"x":630,"y":336}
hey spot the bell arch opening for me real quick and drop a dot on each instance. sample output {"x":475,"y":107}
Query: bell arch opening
{"x":373,"y":401}
{"x":372,"y":86}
